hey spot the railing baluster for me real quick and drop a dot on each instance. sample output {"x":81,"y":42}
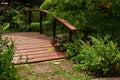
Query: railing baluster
{"x":13,"y":2}
{"x":30,"y":14}
{"x":30,"y":19}
{"x":70,"y":36}
{"x":54,"y":28}
{"x":41,"y":17}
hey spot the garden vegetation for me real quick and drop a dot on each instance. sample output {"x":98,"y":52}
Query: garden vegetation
{"x":96,"y":43}
{"x":7,"y":68}
{"x":92,"y":18}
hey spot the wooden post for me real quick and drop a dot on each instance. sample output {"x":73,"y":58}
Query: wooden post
{"x":41,"y":16}
{"x":70,"y":36}
{"x":30,"y":19}
{"x":13,"y":4}
{"x":30,"y":14}
{"x":54,"y":28}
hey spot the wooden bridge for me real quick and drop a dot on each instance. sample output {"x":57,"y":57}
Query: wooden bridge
{"x":34,"y":46}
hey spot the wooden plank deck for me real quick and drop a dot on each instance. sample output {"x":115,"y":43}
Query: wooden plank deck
{"x":33,"y":47}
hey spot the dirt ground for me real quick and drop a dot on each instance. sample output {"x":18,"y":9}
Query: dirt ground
{"x":60,"y":69}
{"x":48,"y":70}
{"x":42,"y":67}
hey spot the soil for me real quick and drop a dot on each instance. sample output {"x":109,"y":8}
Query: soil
{"x":46,"y":67}
{"x":47,"y":71}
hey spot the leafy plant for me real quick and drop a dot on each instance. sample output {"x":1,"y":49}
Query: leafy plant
{"x":89,"y":16}
{"x":100,"y":56}
{"x":15,"y":18}
{"x":18,"y":20}
{"x":34,"y":26}
{"x":7,"y":68}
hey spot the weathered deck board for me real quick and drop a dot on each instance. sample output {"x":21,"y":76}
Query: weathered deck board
{"x":32,"y":47}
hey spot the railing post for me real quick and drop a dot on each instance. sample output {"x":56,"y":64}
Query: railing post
{"x":13,"y":3}
{"x":54,"y":28}
{"x":30,"y":14}
{"x":29,"y":22}
{"x":41,"y":16}
{"x":70,"y":36}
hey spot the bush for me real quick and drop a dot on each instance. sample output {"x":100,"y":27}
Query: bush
{"x":89,"y":16}
{"x":100,"y":56}
{"x":7,"y":68}
{"x":16,"y":19}
{"x":35,"y":26}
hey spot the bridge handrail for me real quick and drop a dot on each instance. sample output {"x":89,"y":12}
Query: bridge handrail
{"x":61,"y":20}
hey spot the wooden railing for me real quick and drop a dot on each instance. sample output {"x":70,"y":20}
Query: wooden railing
{"x":64,"y":22}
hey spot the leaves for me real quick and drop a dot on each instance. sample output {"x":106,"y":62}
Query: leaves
{"x":99,"y":55}
{"x":7,"y":69}
{"x":5,"y":26}
{"x":93,"y":16}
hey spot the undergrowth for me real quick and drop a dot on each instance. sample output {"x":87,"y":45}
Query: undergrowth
{"x":98,"y":55}
{"x":7,"y":68}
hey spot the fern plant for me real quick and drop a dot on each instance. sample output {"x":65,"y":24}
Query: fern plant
{"x":100,"y":56}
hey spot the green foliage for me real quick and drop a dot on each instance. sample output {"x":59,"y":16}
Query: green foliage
{"x":34,"y":26}
{"x":18,"y":20}
{"x":15,"y":18}
{"x":89,"y":16}
{"x":7,"y":68}
{"x":100,"y":56}
{"x":4,"y":27}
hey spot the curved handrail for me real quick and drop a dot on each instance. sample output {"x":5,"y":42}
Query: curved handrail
{"x":36,"y":10}
{"x":63,"y":21}
{"x":67,"y":24}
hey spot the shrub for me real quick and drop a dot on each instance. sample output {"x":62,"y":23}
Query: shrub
{"x":100,"y":56}
{"x":89,"y":16}
{"x":7,"y":68}
{"x":35,"y":26}
{"x":83,"y":13}
{"x":15,"y":18}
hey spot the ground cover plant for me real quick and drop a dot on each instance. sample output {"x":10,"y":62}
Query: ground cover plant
{"x":99,"y":55}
